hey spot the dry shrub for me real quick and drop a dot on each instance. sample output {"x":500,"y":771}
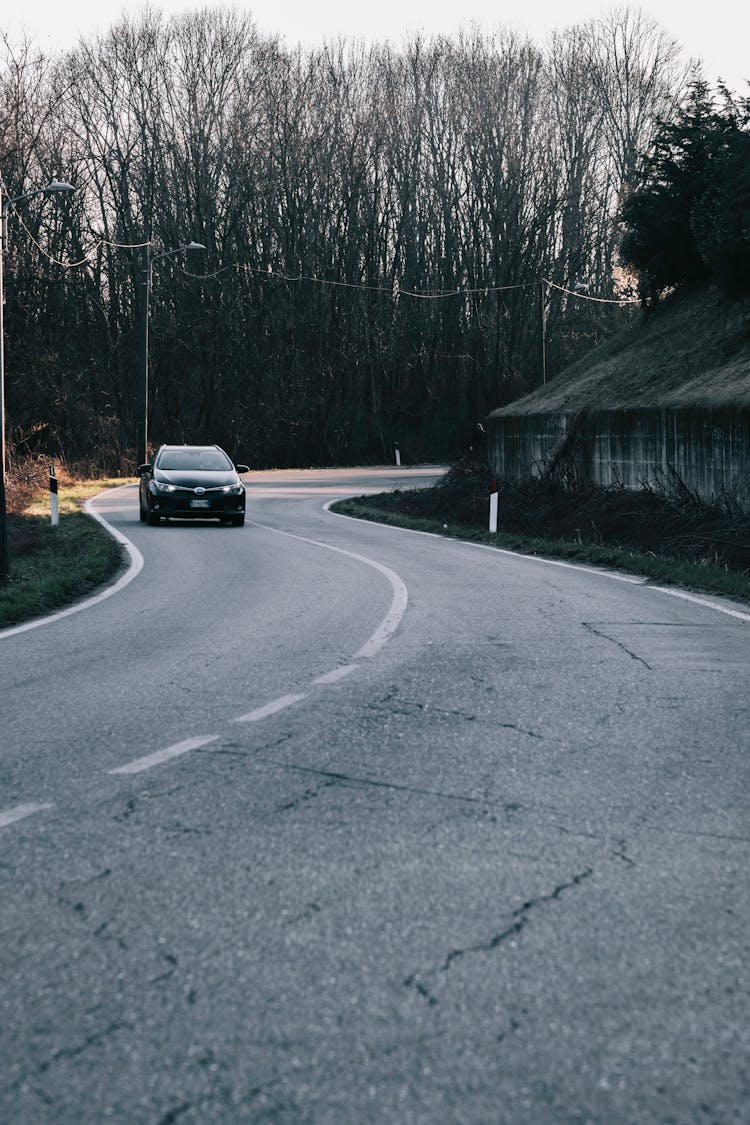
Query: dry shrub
{"x":670,"y":521}
{"x":24,"y":481}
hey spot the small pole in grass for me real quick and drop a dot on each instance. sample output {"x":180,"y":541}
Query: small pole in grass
{"x":493,"y":507}
{"x":54,"y":504}
{"x":397,"y":453}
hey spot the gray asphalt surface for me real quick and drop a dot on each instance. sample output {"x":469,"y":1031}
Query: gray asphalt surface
{"x":400,"y":829}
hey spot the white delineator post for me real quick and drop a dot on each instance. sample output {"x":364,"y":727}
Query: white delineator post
{"x":54,"y":504}
{"x":397,"y":453}
{"x":493,"y":507}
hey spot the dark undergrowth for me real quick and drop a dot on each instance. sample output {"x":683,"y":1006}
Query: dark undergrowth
{"x":667,"y":534}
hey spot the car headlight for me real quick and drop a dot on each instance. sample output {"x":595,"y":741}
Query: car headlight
{"x":163,"y":487}
{"x":234,"y":489}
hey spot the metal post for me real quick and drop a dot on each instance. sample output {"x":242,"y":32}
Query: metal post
{"x":141,"y":452}
{"x":141,"y":449}
{"x":544,"y":332}
{"x":4,"y":561}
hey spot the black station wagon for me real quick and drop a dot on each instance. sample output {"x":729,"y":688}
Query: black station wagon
{"x":192,"y":482}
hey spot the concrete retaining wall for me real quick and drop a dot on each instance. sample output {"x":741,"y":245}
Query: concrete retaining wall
{"x":709,"y":450}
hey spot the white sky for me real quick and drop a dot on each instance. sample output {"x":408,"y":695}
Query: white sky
{"x":718,"y":32}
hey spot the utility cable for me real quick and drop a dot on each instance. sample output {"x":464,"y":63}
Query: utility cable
{"x":393,"y":292}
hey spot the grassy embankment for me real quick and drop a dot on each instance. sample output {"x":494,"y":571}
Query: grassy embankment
{"x":670,"y":538}
{"x":51,"y":567}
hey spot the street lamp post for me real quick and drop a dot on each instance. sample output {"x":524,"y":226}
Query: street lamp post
{"x":53,"y":188}
{"x":147,"y":271}
{"x":543,"y":313}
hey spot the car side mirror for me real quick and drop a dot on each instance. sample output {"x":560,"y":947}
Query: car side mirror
{"x":242,"y":468}
{"x":143,"y":469}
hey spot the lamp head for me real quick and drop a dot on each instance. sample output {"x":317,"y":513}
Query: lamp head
{"x":57,"y":186}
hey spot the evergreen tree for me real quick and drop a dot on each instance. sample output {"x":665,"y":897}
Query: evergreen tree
{"x":690,"y":221}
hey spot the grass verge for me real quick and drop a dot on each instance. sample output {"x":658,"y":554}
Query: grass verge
{"x":50,"y":567}
{"x":670,"y":538}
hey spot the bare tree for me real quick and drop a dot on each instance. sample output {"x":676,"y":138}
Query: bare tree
{"x":383,"y":226}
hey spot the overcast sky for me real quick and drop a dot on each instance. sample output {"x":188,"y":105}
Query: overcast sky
{"x":718,"y":32}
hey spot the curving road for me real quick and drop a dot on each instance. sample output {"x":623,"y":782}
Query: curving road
{"x":323,"y":822}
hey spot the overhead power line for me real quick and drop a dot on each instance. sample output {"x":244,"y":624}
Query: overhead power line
{"x":391,"y":291}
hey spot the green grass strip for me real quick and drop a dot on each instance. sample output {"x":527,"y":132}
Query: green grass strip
{"x":51,"y":567}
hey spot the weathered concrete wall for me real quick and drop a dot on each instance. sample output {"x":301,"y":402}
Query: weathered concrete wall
{"x":709,"y":450}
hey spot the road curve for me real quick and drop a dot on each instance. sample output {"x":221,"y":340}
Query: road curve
{"x":324,"y":821}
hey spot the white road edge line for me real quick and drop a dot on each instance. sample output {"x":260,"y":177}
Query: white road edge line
{"x":271,"y":708}
{"x":135,"y":566}
{"x":673,"y":593}
{"x":395,"y":614}
{"x":630,"y":579}
{"x":20,"y":812}
{"x":336,"y":675}
{"x":155,"y":759}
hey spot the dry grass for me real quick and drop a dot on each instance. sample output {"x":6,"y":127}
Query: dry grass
{"x":694,"y":350}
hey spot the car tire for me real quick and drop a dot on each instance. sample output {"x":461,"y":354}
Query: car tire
{"x":237,"y":521}
{"x":143,"y":514}
{"x":152,"y":519}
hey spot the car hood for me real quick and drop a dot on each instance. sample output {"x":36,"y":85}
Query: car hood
{"x":190,"y":478}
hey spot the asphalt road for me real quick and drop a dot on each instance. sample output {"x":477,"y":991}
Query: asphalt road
{"x":320,"y":821}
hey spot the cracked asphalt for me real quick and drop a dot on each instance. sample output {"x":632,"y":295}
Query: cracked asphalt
{"x":492,"y":871}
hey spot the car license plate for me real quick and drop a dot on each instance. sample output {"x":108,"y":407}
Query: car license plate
{"x":200,"y":503}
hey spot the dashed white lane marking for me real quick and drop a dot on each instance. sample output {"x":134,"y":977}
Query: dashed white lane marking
{"x":336,"y":675}
{"x":155,"y":759}
{"x":372,"y":645}
{"x":20,"y":812}
{"x":135,"y":565}
{"x":271,"y":708}
{"x":392,"y":619}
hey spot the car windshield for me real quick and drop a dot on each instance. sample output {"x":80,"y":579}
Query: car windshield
{"x":204,"y":460}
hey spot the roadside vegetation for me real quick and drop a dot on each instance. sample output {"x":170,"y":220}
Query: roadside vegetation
{"x":667,"y":536}
{"x":50,"y":567}
{"x":687,"y":223}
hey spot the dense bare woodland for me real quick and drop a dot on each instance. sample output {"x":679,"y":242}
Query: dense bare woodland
{"x":380,"y":227}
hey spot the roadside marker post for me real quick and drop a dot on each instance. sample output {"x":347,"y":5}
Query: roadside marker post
{"x":397,"y":453}
{"x":54,"y":503}
{"x":493,"y":508}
